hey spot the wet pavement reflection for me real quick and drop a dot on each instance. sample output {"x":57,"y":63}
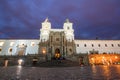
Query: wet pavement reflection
{"x":101,"y":72}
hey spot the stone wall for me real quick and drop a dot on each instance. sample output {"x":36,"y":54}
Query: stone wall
{"x":27,"y":60}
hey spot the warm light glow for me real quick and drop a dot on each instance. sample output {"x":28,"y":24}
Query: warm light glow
{"x":106,"y":70}
{"x":44,"y":51}
{"x":106,"y":59}
{"x":20,"y":61}
{"x":116,"y":57}
{"x":92,"y":58}
{"x":57,"y":55}
{"x":93,"y":61}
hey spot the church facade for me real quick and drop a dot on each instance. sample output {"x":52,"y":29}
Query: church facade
{"x":57,"y":43}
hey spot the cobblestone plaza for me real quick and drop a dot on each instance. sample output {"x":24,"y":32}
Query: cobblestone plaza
{"x":100,"y":72}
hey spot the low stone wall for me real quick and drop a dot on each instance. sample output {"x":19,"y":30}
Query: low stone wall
{"x":29,"y":60}
{"x":80,"y":58}
{"x":26,"y":60}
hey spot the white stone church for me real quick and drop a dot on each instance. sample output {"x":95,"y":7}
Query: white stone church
{"x":60,"y":41}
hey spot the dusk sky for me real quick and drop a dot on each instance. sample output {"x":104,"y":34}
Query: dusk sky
{"x":21,"y":19}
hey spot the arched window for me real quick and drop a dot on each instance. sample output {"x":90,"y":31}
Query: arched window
{"x":118,"y":45}
{"x":105,"y":45}
{"x":92,"y":45}
{"x":0,"y":49}
{"x":77,"y":45}
{"x":112,"y":45}
{"x":98,"y":45}
{"x":10,"y":50}
{"x":85,"y":45}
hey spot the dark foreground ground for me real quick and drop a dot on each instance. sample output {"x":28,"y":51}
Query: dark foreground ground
{"x":101,"y":72}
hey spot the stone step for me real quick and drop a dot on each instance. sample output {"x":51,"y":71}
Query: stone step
{"x":57,"y":63}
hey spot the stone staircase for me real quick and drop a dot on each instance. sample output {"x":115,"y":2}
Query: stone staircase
{"x":57,"y":63}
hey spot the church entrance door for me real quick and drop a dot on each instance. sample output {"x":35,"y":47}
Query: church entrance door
{"x":57,"y":53}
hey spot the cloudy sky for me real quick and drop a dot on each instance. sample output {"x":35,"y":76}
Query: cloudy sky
{"x":21,"y":19}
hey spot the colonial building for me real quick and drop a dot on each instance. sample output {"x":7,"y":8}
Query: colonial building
{"x":57,"y":43}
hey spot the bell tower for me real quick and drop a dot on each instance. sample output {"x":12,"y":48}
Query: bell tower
{"x":68,"y":29}
{"x":45,"y":30}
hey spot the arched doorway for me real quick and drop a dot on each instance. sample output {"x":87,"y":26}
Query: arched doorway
{"x":57,"y":53}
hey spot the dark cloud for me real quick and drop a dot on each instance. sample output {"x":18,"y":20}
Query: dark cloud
{"x":91,"y":18}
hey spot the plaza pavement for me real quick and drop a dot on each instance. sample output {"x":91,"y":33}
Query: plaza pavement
{"x":60,"y":73}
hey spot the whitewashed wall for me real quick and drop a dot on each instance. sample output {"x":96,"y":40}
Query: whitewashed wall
{"x":105,"y":46}
{"x":80,"y":46}
{"x":29,"y":50}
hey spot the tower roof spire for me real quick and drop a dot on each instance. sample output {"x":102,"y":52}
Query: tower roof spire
{"x":67,"y":20}
{"x":46,"y":20}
